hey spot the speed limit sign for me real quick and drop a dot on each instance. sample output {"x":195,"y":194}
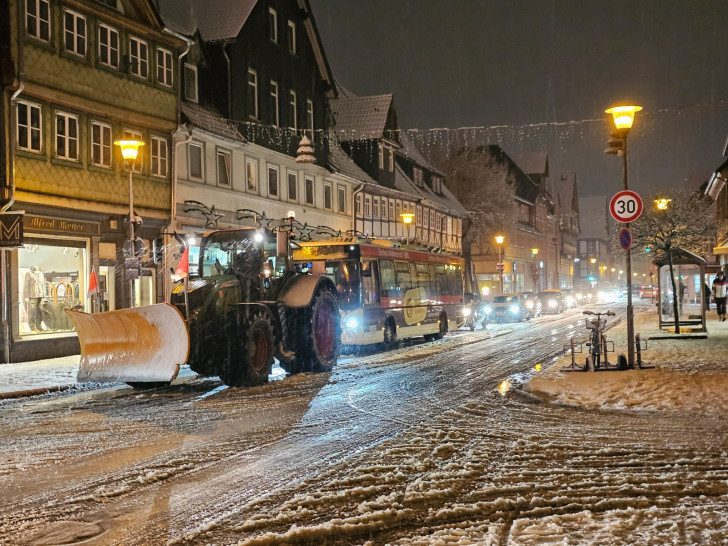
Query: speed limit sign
{"x":626,"y":206}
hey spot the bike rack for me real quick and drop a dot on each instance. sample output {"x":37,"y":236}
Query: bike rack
{"x":607,"y":347}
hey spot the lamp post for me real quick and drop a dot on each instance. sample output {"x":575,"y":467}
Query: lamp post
{"x":129,"y":151}
{"x":499,"y":241}
{"x":623,"y":117}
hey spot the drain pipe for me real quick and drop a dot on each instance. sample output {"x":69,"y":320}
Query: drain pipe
{"x":173,"y":159}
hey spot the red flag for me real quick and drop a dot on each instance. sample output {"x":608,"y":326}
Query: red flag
{"x":93,"y":284}
{"x":183,"y":267}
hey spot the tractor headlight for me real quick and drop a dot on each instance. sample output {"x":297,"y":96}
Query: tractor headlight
{"x":353,"y":321}
{"x":529,"y":304}
{"x":514,"y":309}
{"x":467,"y":311}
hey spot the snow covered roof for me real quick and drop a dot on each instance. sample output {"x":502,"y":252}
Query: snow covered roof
{"x":566,"y":193}
{"x":209,"y":119}
{"x":446,"y":201}
{"x":215,"y":19}
{"x":362,"y":118}
{"x":339,"y":161}
{"x":532,"y":162}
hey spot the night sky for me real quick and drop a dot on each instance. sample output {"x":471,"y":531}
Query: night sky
{"x":538,"y":74}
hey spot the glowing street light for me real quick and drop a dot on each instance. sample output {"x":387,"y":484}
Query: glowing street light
{"x":662,"y":204}
{"x":407,"y":219}
{"x":499,"y":241}
{"x":129,"y":151}
{"x":623,"y":118}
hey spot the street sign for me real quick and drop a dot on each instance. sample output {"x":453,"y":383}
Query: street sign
{"x":11,"y":229}
{"x":626,"y":206}
{"x":625,"y":238}
{"x":500,"y":267}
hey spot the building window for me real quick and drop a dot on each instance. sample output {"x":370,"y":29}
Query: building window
{"x":328,"y":197}
{"x":591,"y":247}
{"x":251,"y":174}
{"x":384,"y":208}
{"x":292,"y":110}
{"x":437,"y":184}
{"x":375,"y":207}
{"x":191,"y":82}
{"x":425,"y":218}
{"x":164,"y":67}
{"x":273,"y":25}
{"x":100,"y":144}
{"x":29,"y":133}
{"x":341,"y":196}
{"x":418,"y":216}
{"x":252,"y":93}
{"x":381,"y":156}
{"x":308,"y":182}
{"x":133,"y":135}
{"x":273,"y":181}
{"x":66,"y":136}
{"x":74,"y":32}
{"x":291,"y":37}
{"x":108,"y":46}
{"x":223,"y":168}
{"x":399,"y":211}
{"x":274,"y":103}
{"x":38,"y":19}
{"x":139,"y":58}
{"x":195,"y":158}
{"x":292,"y":186}
{"x":391,"y":161}
{"x":417,"y":175}
{"x":391,"y":210}
{"x":367,"y":206}
{"x":160,"y":154}
{"x":433,"y":215}
{"x":357,"y":205}
{"x":309,"y":116}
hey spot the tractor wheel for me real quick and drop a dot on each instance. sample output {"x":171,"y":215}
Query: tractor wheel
{"x":443,"y":327}
{"x":319,"y":335}
{"x":390,"y":335}
{"x":250,"y":366}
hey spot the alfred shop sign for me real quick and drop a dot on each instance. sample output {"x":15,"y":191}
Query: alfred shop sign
{"x":57,"y":225}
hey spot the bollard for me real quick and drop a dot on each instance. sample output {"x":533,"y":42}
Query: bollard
{"x":573,"y":356}
{"x":639,"y":351}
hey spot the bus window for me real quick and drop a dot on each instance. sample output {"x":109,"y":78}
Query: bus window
{"x":423,"y":277}
{"x":369,"y":277}
{"x":404,"y":277}
{"x":441,"y":279}
{"x":345,"y":275}
{"x":388,"y":280}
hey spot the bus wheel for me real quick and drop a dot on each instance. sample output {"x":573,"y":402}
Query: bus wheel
{"x":443,"y":327}
{"x":390,"y":335}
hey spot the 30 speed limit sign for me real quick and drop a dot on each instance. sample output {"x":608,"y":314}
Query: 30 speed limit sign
{"x":626,"y":206}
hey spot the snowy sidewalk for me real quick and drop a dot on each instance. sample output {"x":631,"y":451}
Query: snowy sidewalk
{"x":29,"y":378}
{"x":690,"y":374}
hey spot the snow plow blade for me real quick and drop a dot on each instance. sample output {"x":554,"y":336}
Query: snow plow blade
{"x":137,"y":345}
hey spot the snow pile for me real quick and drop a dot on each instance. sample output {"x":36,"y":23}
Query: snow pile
{"x":689,"y":374}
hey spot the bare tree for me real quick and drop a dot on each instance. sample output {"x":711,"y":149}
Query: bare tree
{"x":484,"y":185}
{"x":686,"y":221}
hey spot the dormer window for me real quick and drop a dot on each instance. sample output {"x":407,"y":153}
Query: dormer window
{"x":417,"y":175}
{"x":437,"y":184}
{"x":191,"y":82}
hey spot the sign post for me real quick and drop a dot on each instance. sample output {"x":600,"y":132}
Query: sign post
{"x":626,"y":207}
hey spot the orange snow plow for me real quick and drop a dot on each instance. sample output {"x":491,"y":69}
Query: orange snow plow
{"x":141,"y":344}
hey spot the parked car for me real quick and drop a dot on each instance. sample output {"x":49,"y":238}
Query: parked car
{"x":552,"y":301}
{"x":510,"y":308}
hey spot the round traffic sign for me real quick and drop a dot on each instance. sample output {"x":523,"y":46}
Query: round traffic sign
{"x":625,"y":238}
{"x":626,"y":206}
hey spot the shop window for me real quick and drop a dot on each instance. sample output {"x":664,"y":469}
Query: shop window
{"x":52,"y":277}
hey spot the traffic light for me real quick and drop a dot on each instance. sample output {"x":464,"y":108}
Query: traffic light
{"x":648,"y":249}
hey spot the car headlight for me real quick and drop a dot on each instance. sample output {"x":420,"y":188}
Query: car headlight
{"x":552,"y":303}
{"x":514,"y":309}
{"x":570,"y":300}
{"x":467,"y":311}
{"x":529,"y":304}
{"x":487,"y":309}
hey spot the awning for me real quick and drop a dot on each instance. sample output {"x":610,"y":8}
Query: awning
{"x":720,"y":249}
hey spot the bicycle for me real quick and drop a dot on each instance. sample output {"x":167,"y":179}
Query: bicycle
{"x":597,"y":343}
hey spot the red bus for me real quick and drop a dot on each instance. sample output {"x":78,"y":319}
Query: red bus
{"x":387,"y":292}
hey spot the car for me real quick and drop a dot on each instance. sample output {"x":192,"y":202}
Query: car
{"x":570,"y":297}
{"x":552,"y":301}
{"x":646,"y":291}
{"x":510,"y":308}
{"x":532,"y":303}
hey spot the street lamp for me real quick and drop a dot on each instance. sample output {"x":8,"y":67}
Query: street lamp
{"x":662,"y":204}
{"x":407,"y":218}
{"x":499,"y":241}
{"x":623,"y":117}
{"x":129,"y":151}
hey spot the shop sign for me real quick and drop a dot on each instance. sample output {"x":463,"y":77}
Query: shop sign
{"x":60,"y":225}
{"x":11,"y":229}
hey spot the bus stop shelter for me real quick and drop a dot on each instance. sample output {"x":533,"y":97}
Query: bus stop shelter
{"x":693,"y":292}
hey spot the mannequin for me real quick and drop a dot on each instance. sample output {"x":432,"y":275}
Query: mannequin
{"x":34,"y":293}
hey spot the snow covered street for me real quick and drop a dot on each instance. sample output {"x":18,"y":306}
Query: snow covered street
{"x":412,"y":446}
